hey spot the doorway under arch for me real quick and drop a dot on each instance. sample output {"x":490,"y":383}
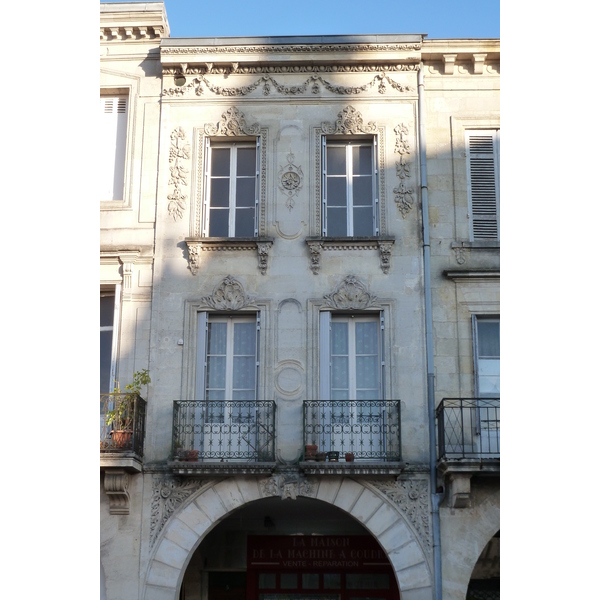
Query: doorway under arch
{"x":485,"y":579}
{"x":332,"y":506}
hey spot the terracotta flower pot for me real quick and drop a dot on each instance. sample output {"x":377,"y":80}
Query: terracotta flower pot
{"x":321,"y":456}
{"x":310,"y":452}
{"x":349,"y":456}
{"x":121,"y":438}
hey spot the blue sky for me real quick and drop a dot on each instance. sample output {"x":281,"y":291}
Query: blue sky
{"x":436,"y":18}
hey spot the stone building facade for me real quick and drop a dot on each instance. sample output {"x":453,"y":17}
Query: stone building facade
{"x":300,"y":243}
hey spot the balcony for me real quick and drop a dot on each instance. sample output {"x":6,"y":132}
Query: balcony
{"x":223,"y":437}
{"x":367,"y":429}
{"x":122,"y":429}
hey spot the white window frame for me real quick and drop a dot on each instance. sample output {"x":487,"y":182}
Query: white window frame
{"x":325,"y":319}
{"x":483,"y":183}
{"x":234,"y":146}
{"x":476,"y":319}
{"x":114,"y":145}
{"x":116,"y":292}
{"x":333,"y":141}
{"x":203,"y":319}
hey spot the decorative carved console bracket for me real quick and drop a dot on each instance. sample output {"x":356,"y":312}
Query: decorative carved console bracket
{"x":197,"y":245}
{"x":316,"y":245}
{"x":116,"y":486}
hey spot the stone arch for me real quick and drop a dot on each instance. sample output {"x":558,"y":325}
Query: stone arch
{"x":477,"y":527}
{"x":187,"y":527}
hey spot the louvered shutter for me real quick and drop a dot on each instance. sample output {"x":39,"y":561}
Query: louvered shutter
{"x":483,"y":183}
{"x":113,"y":132}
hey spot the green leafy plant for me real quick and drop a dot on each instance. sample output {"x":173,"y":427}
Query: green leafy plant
{"x":122,"y":414}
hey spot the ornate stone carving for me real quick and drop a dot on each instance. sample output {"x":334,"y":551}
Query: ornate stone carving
{"x":351,"y":293}
{"x":168,"y":494}
{"x":290,"y":182}
{"x":296,"y":49}
{"x":116,"y":486}
{"x":385,"y":255}
{"x":461,"y":255}
{"x":196,"y":245}
{"x":403,"y":194}
{"x":178,"y":151}
{"x":228,"y":295}
{"x":315,"y":248}
{"x":233,"y":123}
{"x":411,"y":496}
{"x":254,"y":69}
{"x":268,"y":83}
{"x":263,"y":249}
{"x":349,"y":121}
{"x":288,"y":485}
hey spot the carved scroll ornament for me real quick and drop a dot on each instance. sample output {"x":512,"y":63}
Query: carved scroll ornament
{"x":228,"y":295}
{"x":350,"y":294}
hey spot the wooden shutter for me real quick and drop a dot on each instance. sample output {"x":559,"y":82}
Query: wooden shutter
{"x":113,"y":133}
{"x":483,"y":183}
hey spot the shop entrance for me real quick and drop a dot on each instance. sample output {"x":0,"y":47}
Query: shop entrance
{"x":323,"y":567}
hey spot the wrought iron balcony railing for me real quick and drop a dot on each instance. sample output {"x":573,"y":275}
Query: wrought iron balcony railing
{"x":122,"y":423}
{"x":468,"y":428}
{"x":224,"y":430}
{"x":370,"y":429}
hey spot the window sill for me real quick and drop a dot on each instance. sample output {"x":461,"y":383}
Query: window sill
{"x":113,"y":205}
{"x":317,"y":244}
{"x":262,"y":245}
{"x":478,"y":244}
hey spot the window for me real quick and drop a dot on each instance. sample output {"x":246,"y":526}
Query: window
{"x":483,"y":171}
{"x":109,"y":319}
{"x":113,"y":139}
{"x":349,"y":188}
{"x":487,"y":356}
{"x":351,"y":372}
{"x":231,"y":199}
{"x":227,"y":358}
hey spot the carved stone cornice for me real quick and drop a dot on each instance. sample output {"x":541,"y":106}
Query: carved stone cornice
{"x":403,"y":194}
{"x":351,"y":293}
{"x":195,"y":246}
{"x":229,"y":294}
{"x":317,"y":245}
{"x":179,"y":151}
{"x":411,"y":497}
{"x":312,"y":85}
{"x":131,"y":22}
{"x":168,"y":493}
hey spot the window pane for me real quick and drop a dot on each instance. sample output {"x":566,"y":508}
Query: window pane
{"x":245,"y":192}
{"x":219,"y":192}
{"x":244,"y":338}
{"x":332,"y":581}
{"x":246,"y":161}
{"x":217,"y":338}
{"x":266,"y":581}
{"x":363,"y":221}
{"x":215,"y":377}
{"x":339,"y":338}
{"x":219,"y":223}
{"x":244,"y":369}
{"x":336,"y":221}
{"x":367,"y":372}
{"x":310,"y":581}
{"x":105,"y":360}
{"x":220,"y":162}
{"x":367,"y":338}
{"x":367,"y":581}
{"x":107,"y":310}
{"x":488,"y":338}
{"x":336,"y":191}
{"x":244,"y":222}
{"x":339,"y":372}
{"x":289,"y":581}
{"x":362,"y":191}
{"x":362,"y":162}
{"x":336,"y":160}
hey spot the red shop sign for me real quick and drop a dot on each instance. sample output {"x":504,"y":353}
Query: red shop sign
{"x":314,"y":552}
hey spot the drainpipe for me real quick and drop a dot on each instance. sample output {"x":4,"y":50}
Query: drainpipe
{"x":435,"y":497}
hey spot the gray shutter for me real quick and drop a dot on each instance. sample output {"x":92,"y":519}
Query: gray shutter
{"x":324,"y":186}
{"x":324,"y":355}
{"x":206,"y":199}
{"x":482,"y":171}
{"x":257,"y":187}
{"x":376,"y":219}
{"x":202,"y":332}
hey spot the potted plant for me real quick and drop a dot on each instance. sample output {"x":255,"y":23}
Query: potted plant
{"x":333,"y":456}
{"x":349,"y":456}
{"x":121,"y":416}
{"x":310,"y":451}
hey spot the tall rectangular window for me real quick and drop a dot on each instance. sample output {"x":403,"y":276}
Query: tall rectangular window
{"x":231,"y":199}
{"x":109,"y":319}
{"x":349,"y":188}
{"x":487,"y":356}
{"x":483,"y":174}
{"x":113,"y":140}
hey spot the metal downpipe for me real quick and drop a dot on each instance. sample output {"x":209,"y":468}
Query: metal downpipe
{"x":435,"y":497}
